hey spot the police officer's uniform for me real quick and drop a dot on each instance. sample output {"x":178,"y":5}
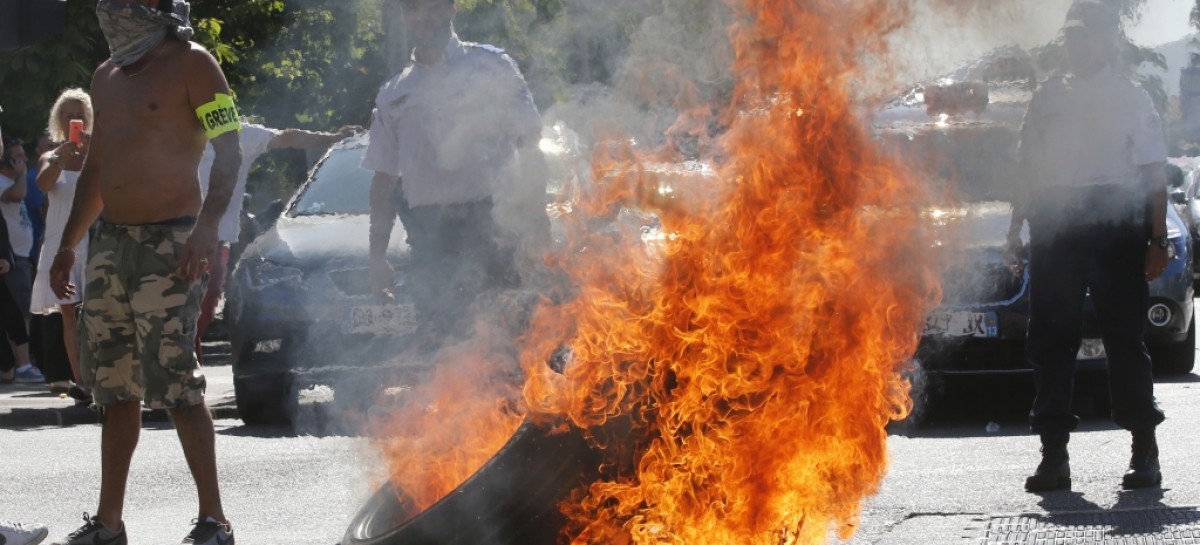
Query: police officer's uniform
{"x":1086,"y":138}
{"x":451,"y":132}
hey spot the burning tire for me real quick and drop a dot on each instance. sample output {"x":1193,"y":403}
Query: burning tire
{"x":512,"y":499}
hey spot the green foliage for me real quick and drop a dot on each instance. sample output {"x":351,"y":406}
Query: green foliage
{"x":34,"y":76}
{"x":317,"y":64}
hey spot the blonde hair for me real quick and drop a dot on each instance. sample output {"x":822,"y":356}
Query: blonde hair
{"x":56,"y":128}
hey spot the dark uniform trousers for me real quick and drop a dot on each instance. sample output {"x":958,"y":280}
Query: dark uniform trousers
{"x":1089,"y":241}
{"x":456,"y":257}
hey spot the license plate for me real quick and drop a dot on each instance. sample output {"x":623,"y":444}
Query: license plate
{"x":962,"y":323}
{"x":380,"y":320}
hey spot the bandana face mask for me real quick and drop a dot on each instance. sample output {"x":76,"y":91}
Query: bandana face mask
{"x":133,"y":29}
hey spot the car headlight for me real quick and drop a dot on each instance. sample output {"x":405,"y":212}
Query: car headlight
{"x":263,"y":273}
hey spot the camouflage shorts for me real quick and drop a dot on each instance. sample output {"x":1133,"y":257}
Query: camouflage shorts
{"x":139,"y":317}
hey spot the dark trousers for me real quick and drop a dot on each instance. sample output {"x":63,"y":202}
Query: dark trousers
{"x":455,"y":258}
{"x":1066,"y":262}
{"x":12,"y":319}
{"x":48,"y":348}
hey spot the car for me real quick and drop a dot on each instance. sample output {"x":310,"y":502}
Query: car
{"x":1182,"y":173}
{"x":980,"y":326}
{"x":299,"y":305}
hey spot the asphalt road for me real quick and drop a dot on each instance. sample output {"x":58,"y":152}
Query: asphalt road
{"x":950,"y":481}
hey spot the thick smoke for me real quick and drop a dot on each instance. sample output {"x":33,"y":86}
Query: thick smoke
{"x":944,"y":35}
{"x":666,"y":88}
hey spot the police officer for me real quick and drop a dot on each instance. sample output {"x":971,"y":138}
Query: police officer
{"x":460,"y":128}
{"x":1093,"y":144}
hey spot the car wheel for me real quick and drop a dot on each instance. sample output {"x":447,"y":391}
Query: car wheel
{"x":511,"y":499}
{"x":266,"y":400}
{"x":1177,"y":358}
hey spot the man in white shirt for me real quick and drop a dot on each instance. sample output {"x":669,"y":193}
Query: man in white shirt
{"x":1094,"y":148}
{"x":460,"y":127}
{"x":255,"y":141}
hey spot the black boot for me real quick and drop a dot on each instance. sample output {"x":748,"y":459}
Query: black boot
{"x":1054,"y":472}
{"x":1143,"y":470}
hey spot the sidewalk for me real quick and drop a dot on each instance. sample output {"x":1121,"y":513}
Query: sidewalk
{"x":32,"y":405}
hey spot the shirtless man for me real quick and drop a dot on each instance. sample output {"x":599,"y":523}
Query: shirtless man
{"x":157,"y":100}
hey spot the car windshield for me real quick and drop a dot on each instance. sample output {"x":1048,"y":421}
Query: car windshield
{"x":339,"y":186}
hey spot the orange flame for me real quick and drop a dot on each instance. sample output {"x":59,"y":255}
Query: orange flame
{"x":435,"y":436}
{"x":755,"y":340}
{"x":737,"y":331}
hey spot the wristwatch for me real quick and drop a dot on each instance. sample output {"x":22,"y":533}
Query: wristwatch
{"x":1162,"y":242}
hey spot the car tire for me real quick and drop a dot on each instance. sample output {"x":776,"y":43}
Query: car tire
{"x":1176,"y":358}
{"x":266,"y":400}
{"x":512,"y":499}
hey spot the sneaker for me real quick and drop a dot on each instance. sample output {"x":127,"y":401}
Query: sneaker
{"x":15,"y":533}
{"x":209,"y":532}
{"x":29,"y":374}
{"x":94,"y":533}
{"x":60,"y":386}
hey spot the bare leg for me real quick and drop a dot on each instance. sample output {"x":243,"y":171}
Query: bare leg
{"x":195,"y":428}
{"x":71,"y":341}
{"x":122,"y":427}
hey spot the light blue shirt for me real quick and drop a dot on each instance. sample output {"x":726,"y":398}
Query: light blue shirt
{"x":451,"y":130}
{"x":1091,"y":131}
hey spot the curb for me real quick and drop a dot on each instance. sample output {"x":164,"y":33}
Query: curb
{"x":78,"y":416}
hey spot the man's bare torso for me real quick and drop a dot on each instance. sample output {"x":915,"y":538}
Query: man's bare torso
{"x":150,"y":139}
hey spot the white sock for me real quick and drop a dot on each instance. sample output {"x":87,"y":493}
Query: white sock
{"x":23,"y":368}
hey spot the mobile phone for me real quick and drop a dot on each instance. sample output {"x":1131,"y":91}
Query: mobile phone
{"x":76,"y":134}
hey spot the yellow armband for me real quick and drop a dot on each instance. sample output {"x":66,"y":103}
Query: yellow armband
{"x":219,"y":116}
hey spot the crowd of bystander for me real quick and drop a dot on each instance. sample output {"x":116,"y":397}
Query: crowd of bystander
{"x":35,"y":198}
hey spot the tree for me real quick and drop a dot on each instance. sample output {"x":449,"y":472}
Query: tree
{"x":33,"y":76}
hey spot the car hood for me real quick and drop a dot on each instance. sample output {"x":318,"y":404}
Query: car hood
{"x":970,"y":241}
{"x":319,"y":241}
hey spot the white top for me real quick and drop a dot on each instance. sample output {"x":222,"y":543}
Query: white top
{"x":58,"y":208}
{"x":255,"y":140}
{"x":451,"y":130}
{"x":1091,"y":131}
{"x":20,"y":228}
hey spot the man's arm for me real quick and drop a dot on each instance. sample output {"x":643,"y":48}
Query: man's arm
{"x":87,"y":204}
{"x":302,"y":139}
{"x":1154,"y":176}
{"x":383,"y":219}
{"x":1020,"y":202}
{"x":205,"y":82}
{"x":85,"y":209}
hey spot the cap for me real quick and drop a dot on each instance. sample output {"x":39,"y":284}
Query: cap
{"x":1095,"y":17}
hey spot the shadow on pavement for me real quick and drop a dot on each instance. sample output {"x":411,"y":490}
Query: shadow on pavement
{"x":995,"y":406}
{"x":263,"y":432}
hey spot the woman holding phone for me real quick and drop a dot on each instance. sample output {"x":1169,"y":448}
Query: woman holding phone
{"x":70,"y":123}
